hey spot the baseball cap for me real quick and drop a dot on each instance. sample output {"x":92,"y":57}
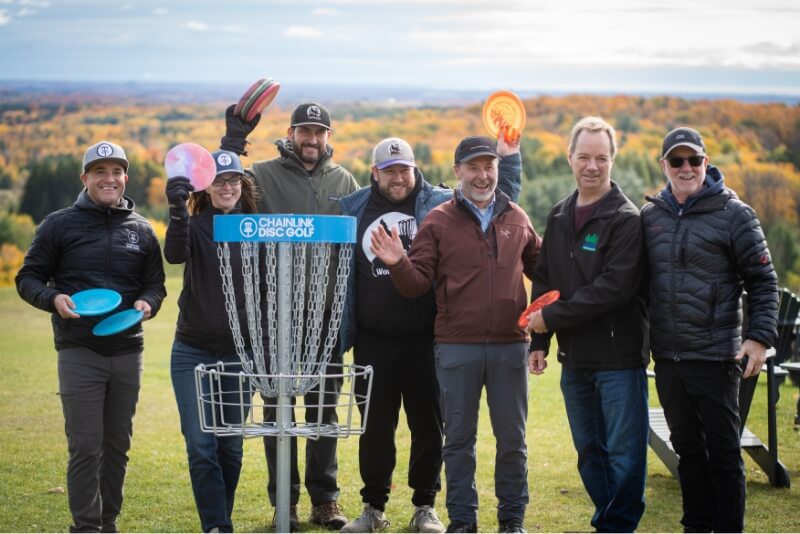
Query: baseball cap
{"x":104,"y":151}
{"x":311,"y":113}
{"x":393,"y":151}
{"x":683,"y":136}
{"x":474,"y":146}
{"x":227,"y":161}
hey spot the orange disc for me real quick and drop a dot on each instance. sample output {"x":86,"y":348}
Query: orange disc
{"x":503,"y":109}
{"x":544,"y":299}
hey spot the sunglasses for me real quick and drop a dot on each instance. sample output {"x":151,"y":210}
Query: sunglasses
{"x":676,"y":162}
{"x":233,"y":181}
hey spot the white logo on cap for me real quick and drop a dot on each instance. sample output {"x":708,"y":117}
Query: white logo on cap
{"x":394,"y":148}
{"x":314,"y":112}
{"x":104,"y":150}
{"x":680,"y":136}
{"x":224,"y":160}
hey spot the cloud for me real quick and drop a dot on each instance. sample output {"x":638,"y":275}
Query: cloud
{"x":4,"y":18}
{"x":770,"y":48}
{"x":197,"y":26}
{"x":301,"y":31}
{"x":325,"y":12}
{"x":35,"y":3}
{"x":160,"y":11}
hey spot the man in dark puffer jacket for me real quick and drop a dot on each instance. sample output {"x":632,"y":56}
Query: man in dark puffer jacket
{"x":704,"y":246}
{"x":98,"y":242}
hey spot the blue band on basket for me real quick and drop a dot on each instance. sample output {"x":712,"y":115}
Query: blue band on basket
{"x":285,"y":228}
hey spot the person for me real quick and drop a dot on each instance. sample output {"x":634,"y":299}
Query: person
{"x":474,"y":250}
{"x":704,"y":246}
{"x":303,"y":179}
{"x":98,"y":242}
{"x":592,"y":253}
{"x":395,"y":335}
{"x":203,"y":336}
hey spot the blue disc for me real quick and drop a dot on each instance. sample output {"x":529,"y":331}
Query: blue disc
{"x":90,"y":302}
{"x":114,"y":324}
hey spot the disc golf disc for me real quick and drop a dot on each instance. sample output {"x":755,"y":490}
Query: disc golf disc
{"x":503,"y":109}
{"x":237,"y":109}
{"x":260,"y":100}
{"x":99,"y":301}
{"x":192,"y":161}
{"x":119,"y":322}
{"x":544,"y":300}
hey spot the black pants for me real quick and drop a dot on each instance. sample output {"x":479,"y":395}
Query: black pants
{"x":701,"y":406}
{"x":321,"y":464}
{"x":403,"y":371}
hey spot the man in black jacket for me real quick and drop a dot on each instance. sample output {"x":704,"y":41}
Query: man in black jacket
{"x":97,"y":242}
{"x":704,"y":246}
{"x":593,"y":254}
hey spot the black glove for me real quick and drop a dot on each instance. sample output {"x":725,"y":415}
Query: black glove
{"x":236,"y":131}
{"x":178,"y":189}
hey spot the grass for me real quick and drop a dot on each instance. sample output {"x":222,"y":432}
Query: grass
{"x":158,"y":495}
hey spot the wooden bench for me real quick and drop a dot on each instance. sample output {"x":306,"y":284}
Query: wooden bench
{"x":794,"y":367}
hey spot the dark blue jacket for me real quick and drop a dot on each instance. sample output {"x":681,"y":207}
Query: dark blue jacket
{"x":701,"y":256}
{"x":90,"y":246}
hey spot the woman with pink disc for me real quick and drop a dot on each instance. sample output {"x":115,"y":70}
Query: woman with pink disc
{"x":202,"y":335}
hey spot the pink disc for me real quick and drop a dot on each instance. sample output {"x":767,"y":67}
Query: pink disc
{"x":192,"y":161}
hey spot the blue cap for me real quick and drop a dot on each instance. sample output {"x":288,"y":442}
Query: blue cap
{"x":227,"y":161}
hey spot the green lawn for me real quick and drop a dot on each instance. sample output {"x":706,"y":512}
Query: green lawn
{"x":158,"y":495}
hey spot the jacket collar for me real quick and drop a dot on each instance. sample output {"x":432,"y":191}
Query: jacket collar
{"x":288,"y":156}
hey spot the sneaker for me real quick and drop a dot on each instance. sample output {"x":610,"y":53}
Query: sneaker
{"x":294,"y":519}
{"x":511,"y":525}
{"x":460,"y":526}
{"x":328,"y":515}
{"x":425,"y":520}
{"x":370,"y":520}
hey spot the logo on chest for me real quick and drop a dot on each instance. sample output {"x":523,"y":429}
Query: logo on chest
{"x":133,"y":241}
{"x":590,"y":243}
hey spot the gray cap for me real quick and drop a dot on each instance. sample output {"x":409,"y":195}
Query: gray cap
{"x":104,"y":151}
{"x":393,"y":151}
{"x":227,"y":161}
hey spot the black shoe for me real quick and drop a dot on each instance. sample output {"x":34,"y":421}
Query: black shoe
{"x":511,"y":525}
{"x":111,"y":526}
{"x":460,"y":526}
{"x":294,"y":520}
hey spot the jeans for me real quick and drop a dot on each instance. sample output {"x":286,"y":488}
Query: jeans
{"x":403,"y":373}
{"x":463,"y":371}
{"x":701,"y":406}
{"x":98,"y":396}
{"x":214,"y":462}
{"x":608,"y":418}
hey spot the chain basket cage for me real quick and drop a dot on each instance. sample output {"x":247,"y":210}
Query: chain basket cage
{"x":284,"y":283}
{"x":229,"y":406}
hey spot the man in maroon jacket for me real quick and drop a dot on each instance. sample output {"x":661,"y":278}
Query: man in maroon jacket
{"x":475,"y":248}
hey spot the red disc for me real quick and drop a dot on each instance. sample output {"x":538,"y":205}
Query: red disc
{"x":263,"y":100}
{"x":192,"y":161}
{"x":237,"y":110}
{"x":544,"y":299}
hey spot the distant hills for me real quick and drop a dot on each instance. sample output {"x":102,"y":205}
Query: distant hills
{"x":173,"y":92}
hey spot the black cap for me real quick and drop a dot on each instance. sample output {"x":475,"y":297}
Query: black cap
{"x":311,"y":113}
{"x":474,"y":146}
{"x":683,"y":136}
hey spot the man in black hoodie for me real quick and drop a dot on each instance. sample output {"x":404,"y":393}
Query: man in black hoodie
{"x":98,"y":242}
{"x":704,"y":246}
{"x":593,"y":254}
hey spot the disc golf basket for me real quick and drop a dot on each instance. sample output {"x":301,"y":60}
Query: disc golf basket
{"x":293,"y":253}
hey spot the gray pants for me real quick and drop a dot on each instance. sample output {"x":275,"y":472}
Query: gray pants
{"x":98,"y":395}
{"x":463,"y":370}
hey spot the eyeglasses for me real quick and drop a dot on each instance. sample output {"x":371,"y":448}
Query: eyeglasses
{"x":676,"y":162}
{"x":233,"y":181}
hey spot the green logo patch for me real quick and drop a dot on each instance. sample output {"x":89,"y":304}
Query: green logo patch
{"x":590,"y":242}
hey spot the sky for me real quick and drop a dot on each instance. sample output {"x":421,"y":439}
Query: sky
{"x":720,"y":46}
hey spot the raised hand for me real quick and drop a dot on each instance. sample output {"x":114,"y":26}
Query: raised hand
{"x":387,"y":247}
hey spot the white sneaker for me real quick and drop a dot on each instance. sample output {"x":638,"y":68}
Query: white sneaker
{"x":426,"y":520}
{"x":370,"y":520}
